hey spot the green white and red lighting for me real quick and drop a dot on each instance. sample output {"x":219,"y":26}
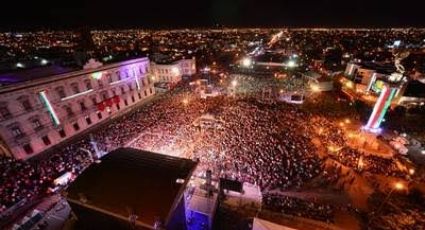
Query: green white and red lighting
{"x":380,"y":109}
{"x":49,"y":107}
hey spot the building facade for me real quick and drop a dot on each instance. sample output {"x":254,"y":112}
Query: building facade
{"x":173,"y":72}
{"x":38,"y":114}
{"x":371,"y":79}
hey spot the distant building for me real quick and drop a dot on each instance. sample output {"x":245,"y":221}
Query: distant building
{"x":366,"y":74}
{"x":369,"y":78}
{"x":173,"y":72}
{"x":40,"y":108}
{"x":132,"y":189}
{"x":269,"y":63}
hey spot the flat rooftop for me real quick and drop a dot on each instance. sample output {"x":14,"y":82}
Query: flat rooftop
{"x":271,"y":57}
{"x":45,"y":73}
{"x":131,"y":179}
{"x":19,"y":76}
{"x":415,"y":89}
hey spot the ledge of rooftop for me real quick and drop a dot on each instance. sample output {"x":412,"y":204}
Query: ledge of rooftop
{"x":16,"y":76}
{"x":22,"y":75}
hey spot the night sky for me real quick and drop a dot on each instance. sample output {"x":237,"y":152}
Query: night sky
{"x":33,"y":14}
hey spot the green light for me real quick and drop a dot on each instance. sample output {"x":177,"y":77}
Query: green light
{"x":97,"y":75}
{"x":386,"y":106}
{"x":49,"y":107}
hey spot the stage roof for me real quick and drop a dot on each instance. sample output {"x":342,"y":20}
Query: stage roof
{"x":130,"y":181}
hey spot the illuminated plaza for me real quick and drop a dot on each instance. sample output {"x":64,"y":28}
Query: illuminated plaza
{"x":212,"y":115}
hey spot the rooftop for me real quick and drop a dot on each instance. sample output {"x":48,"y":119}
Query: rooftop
{"x":130,"y":179}
{"x":32,"y":74}
{"x":271,"y":57}
{"x":38,"y":76}
{"x":386,"y":68}
{"x":415,"y":89}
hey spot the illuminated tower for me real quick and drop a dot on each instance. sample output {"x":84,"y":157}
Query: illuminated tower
{"x":393,"y":85}
{"x":381,"y":108}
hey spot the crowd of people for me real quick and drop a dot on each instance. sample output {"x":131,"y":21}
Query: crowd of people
{"x":298,"y":207}
{"x":30,"y":180}
{"x":246,"y":140}
{"x":241,"y":138}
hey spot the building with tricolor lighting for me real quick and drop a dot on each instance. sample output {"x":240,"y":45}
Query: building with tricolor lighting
{"x":381,"y":86}
{"x":368,"y":80}
{"x":42,"y":107}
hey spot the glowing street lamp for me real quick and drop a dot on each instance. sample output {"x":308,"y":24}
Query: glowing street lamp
{"x":291,"y":64}
{"x":246,"y":62}
{"x":185,"y":101}
{"x":349,"y":84}
{"x":411,"y":171}
{"x":234,"y":83}
{"x":315,"y":88}
{"x":19,"y":65}
{"x":399,"y":186}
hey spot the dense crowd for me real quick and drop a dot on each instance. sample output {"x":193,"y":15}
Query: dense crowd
{"x":241,"y":138}
{"x":30,"y":179}
{"x":298,"y":207}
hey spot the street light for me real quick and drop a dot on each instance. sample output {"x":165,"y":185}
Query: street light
{"x":349,"y":84}
{"x":234,"y":83}
{"x":185,"y":101}
{"x":291,"y":64}
{"x":397,"y":186}
{"x":315,"y":88}
{"x":247,"y":62}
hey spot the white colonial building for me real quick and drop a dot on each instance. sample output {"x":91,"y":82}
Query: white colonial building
{"x":173,"y":72}
{"x":38,"y":111}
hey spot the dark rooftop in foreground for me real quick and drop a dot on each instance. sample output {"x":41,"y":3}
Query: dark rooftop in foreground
{"x":131,"y":179}
{"x":415,"y":89}
{"x":19,"y":76}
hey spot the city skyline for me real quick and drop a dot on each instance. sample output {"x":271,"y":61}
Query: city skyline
{"x":173,"y":14}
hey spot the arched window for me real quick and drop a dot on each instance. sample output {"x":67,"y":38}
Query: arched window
{"x":104,"y":95}
{"x":75,"y":88}
{"x":87,"y":82}
{"x":4,"y":111}
{"x":68,"y":110}
{"x":61,"y":92}
{"x":118,"y":75}
{"x":25,"y":102}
